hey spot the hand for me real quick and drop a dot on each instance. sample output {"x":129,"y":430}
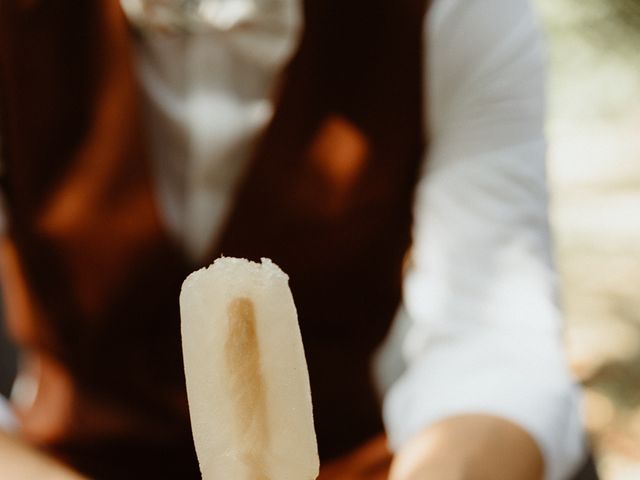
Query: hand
{"x":20,"y":462}
{"x":470,"y":447}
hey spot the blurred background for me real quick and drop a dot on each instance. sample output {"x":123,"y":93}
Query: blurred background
{"x":594,"y":162}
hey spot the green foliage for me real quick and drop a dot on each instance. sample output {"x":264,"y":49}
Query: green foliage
{"x":609,"y":25}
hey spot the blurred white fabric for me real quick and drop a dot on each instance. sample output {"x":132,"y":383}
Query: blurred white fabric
{"x":479,"y":330}
{"x":207,"y":97}
{"x":7,"y":418}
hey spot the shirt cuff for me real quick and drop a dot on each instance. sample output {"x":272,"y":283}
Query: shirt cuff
{"x":498,"y":377}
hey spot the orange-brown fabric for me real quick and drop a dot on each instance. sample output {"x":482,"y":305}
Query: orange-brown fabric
{"x":370,"y":461}
{"x":91,"y":280}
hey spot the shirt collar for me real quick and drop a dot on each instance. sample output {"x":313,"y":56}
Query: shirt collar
{"x":192,"y":16}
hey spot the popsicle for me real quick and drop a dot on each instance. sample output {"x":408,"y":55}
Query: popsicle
{"x":247,"y":379}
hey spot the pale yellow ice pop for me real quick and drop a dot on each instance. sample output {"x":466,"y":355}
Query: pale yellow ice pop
{"x":247,"y":379}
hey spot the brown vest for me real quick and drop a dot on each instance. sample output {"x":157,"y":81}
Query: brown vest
{"x":91,"y":280}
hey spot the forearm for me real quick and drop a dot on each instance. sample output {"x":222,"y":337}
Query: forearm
{"x":471,"y":447}
{"x":20,"y":462}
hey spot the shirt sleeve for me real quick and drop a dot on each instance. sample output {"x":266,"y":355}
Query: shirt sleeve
{"x":479,"y":330}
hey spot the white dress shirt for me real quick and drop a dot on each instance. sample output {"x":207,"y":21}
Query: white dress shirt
{"x":479,"y":329}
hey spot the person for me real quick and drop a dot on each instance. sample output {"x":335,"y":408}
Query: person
{"x":389,"y":156}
